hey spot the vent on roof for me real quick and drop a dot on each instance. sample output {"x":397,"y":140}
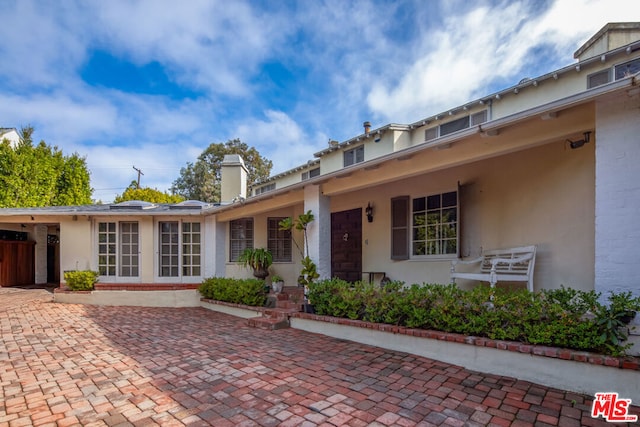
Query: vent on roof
{"x":133,"y":205}
{"x":190,"y":204}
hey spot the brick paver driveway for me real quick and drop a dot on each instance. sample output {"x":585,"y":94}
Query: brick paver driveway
{"x":85,"y":365}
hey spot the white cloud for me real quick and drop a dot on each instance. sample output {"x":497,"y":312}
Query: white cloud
{"x":484,"y":45}
{"x":280,"y":139}
{"x":214,"y":45}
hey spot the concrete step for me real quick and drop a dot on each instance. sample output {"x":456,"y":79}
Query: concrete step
{"x":273,"y":318}
{"x":268,"y":323}
{"x":289,"y":305}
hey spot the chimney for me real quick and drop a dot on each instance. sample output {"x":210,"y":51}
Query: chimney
{"x":367,"y":127}
{"x":233,"y":179}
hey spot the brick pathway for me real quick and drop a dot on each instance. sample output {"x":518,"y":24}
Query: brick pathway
{"x":64,"y":365}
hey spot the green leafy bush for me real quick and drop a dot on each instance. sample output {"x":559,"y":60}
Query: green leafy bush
{"x":81,"y":280}
{"x":562,"y":317}
{"x":238,"y":291}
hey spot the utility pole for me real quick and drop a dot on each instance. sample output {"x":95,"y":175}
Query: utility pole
{"x":139,"y":173}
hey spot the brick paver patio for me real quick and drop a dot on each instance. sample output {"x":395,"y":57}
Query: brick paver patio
{"x":63,"y":365}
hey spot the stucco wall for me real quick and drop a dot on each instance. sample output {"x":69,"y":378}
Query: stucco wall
{"x":76,"y":249}
{"x":542,"y":196}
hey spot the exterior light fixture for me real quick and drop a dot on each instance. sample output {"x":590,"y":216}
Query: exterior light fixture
{"x":581,"y":142}
{"x":369,"y":211}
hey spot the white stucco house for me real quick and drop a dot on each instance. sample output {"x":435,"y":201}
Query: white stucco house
{"x":9,"y":134}
{"x":551,"y":161}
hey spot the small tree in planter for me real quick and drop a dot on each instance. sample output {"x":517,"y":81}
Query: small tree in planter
{"x":81,"y":280}
{"x":309,"y":271}
{"x":258,"y":259}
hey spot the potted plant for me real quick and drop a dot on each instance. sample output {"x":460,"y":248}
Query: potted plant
{"x":277,"y":283}
{"x":259,"y":259}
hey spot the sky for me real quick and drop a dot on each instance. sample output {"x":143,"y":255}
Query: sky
{"x":150,"y":84}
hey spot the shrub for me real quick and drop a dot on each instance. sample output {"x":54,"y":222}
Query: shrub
{"x":81,"y":280}
{"x":238,"y":291}
{"x":562,"y":317}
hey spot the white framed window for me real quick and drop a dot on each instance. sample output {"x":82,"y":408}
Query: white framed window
{"x":434,"y":225}
{"x":431,"y":133}
{"x":425,"y":227}
{"x":191,"y":249}
{"x":179,"y":249}
{"x":456,"y":125}
{"x":169,"y":244}
{"x":240,"y":237}
{"x":265,"y":188}
{"x":312,"y":173}
{"x":598,"y":78}
{"x":353,"y":156}
{"x":627,"y":69}
{"x":278,"y":241}
{"x":118,"y":249}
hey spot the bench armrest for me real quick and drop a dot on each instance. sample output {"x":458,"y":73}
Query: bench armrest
{"x":459,"y":261}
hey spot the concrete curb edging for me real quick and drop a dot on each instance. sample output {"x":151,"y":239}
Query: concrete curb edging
{"x":237,"y":310}
{"x":138,"y":298}
{"x":567,"y":375}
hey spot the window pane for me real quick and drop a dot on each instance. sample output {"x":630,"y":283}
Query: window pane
{"x":435,"y":226}
{"x":449,"y":199}
{"x":128,"y":248}
{"x":433,"y":202}
{"x":278,"y":241}
{"x":241,"y":237}
{"x":168,"y":256}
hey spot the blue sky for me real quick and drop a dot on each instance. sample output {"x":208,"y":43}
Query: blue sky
{"x":152,"y":83}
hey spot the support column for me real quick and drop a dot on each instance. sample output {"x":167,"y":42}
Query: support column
{"x":40,"y":234}
{"x":617,"y":195}
{"x":216,"y":244}
{"x":319,"y":231}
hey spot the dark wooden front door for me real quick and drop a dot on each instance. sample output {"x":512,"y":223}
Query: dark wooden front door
{"x":346,"y":245}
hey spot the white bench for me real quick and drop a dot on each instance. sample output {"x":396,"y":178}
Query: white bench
{"x":500,"y":265}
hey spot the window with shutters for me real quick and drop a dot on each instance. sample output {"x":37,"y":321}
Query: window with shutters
{"x":425,"y":227}
{"x":434,"y":225}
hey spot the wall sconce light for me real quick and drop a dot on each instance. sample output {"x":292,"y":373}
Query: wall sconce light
{"x":369,"y":212}
{"x":581,"y":142}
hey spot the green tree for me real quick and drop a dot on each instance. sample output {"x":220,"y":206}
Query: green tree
{"x":201,"y":180}
{"x":40,"y":175}
{"x":147,"y":194}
